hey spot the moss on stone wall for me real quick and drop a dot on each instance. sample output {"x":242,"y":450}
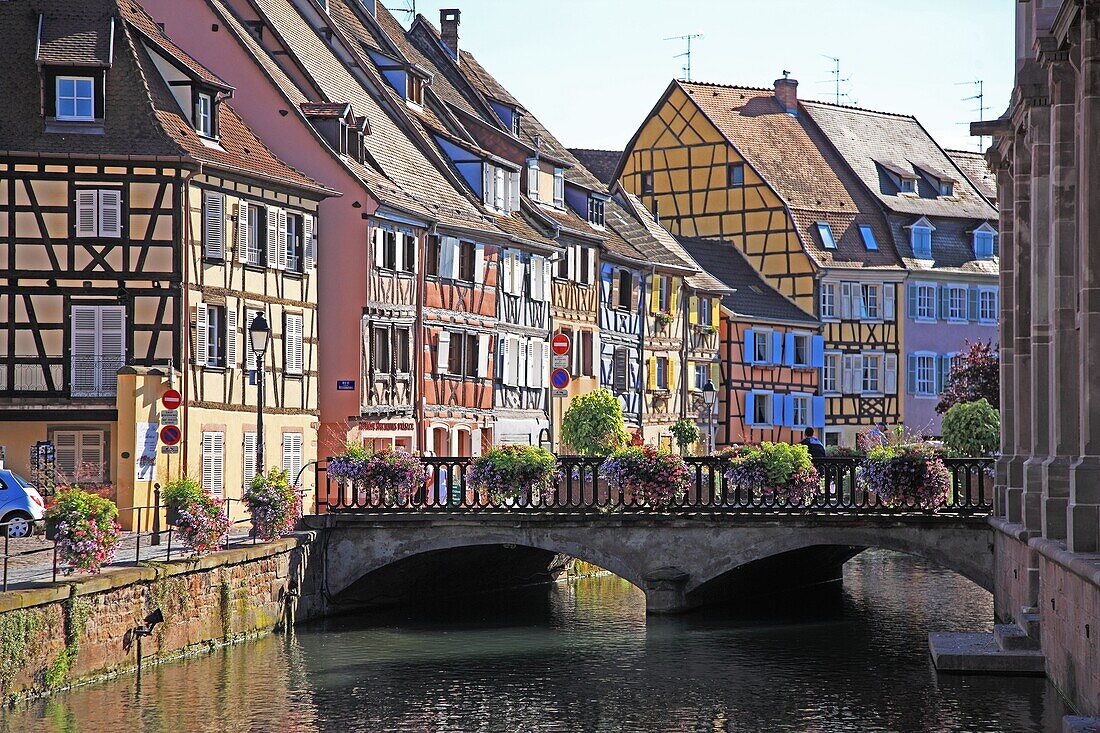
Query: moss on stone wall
{"x":18,"y":631}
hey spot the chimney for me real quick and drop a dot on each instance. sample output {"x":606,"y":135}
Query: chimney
{"x":448,"y":29}
{"x":786,"y":93}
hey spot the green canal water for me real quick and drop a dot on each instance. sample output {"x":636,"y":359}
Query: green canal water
{"x":582,"y":656}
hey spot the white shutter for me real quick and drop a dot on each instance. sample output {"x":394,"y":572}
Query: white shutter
{"x":398,"y":251}
{"x":479,"y":262}
{"x":248,"y":450}
{"x":858,"y":305}
{"x":111,"y":354}
{"x":538,"y":291}
{"x":292,"y":455}
{"x":91,"y":453}
{"x":846,"y":300}
{"x":110,"y":213}
{"x":888,"y":301}
{"x":242,"y":231}
{"x":544,"y":375}
{"x":201,"y":320}
{"x":847,"y":374}
{"x":499,"y":187}
{"x":443,"y":353}
{"x":517,"y":356}
{"x":890,"y":379}
{"x":230,"y":337}
{"x":571,"y":262}
{"x":591,"y":265}
{"x":87,"y":212}
{"x":292,"y":338}
{"x":534,"y":362}
{"x":513,"y":191}
{"x":213,"y":223}
{"x":506,"y":263}
{"x":411,"y":266}
{"x":213,"y":462}
{"x":546,"y":280}
{"x":309,"y":237}
{"x":487,"y":184}
{"x":272,"y":221}
{"x":379,"y":246}
{"x":504,"y":345}
{"x":84,"y":351}
{"x":65,"y":449}
{"x":448,"y":257}
{"x":280,"y":243}
{"x":483,"y":355}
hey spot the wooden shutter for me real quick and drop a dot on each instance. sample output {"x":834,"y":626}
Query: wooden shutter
{"x":534,"y":363}
{"x":655,"y":294}
{"x":443,"y":353}
{"x":112,"y":336}
{"x":571,"y":262}
{"x":913,"y":291}
{"x":613,"y":291}
{"x":748,"y":353}
{"x":817,"y":351}
{"x":788,"y":349}
{"x":213,"y":225}
{"x":506,"y":263}
{"x":231,"y":337}
{"x":280,"y":244}
{"x":110,"y":213}
{"x":693,"y":310}
{"x":479,"y":262}
{"x":249,"y":354}
{"x":674,"y":294}
{"x":201,"y":320}
{"x":309,"y":240}
{"x":84,"y":349}
{"x":750,"y":408}
{"x":651,"y":380}
{"x":777,"y":409}
{"x":972,"y":310}
{"x":483,"y":355}
{"x":213,"y":462}
{"x":911,"y":374}
{"x":504,"y":346}
{"x":519,"y":360}
{"x":487,"y":184}
{"x":87,"y":212}
{"x":513,"y":190}
{"x":888,"y":301}
{"x":716,"y":313}
{"x":846,"y":300}
{"x":292,"y":456}
{"x":538,"y":290}
{"x":65,"y":445}
{"x":777,"y":348}
{"x":248,"y":452}
{"x":292,"y":338}
{"x":591,"y":264}
{"x":272,"y":221}
{"x":588,"y":350}
{"x":890,"y":374}
{"x":544,"y":366}
{"x":817,"y":419}
{"x":379,"y":247}
{"x":242,"y":231}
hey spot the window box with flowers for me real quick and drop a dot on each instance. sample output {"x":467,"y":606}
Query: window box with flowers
{"x":662,"y":318}
{"x":385,"y":476}
{"x":85,"y":527}
{"x":907,"y":476}
{"x":706,"y":329}
{"x":273,"y":503}
{"x":778,"y":474}
{"x":511,"y":474}
{"x":647,"y":476}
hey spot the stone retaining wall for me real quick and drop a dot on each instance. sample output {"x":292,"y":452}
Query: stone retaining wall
{"x":1015,"y":580}
{"x":82,"y":629}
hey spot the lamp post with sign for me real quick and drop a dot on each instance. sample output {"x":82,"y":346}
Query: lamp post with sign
{"x":710,"y":399}
{"x":259,"y":333}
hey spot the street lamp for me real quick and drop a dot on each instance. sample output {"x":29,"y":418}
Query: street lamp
{"x":259,"y":333}
{"x":710,"y":399}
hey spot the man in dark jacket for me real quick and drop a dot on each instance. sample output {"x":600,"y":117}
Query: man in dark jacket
{"x":817,"y":450}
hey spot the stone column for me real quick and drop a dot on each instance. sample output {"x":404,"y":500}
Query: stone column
{"x":1062,"y":297}
{"x":1038,"y":133}
{"x":1021,"y":352}
{"x":1005,"y":191}
{"x":1083,"y":532}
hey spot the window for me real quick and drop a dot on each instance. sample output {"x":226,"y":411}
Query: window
{"x":985,"y":243}
{"x":248,"y":454}
{"x":664,"y":293}
{"x":830,"y":373}
{"x":389,"y":249}
{"x":595,"y":211}
{"x":800,"y":411}
{"x":292,"y":339}
{"x":735,"y":175}
{"x":762,"y":347}
{"x":431,"y":265}
{"x":956,"y":303}
{"x":828,"y":300}
{"x":921,"y":239}
{"x":987,"y":305}
{"x":381,"y":358}
{"x":626,"y":289}
{"x":801,"y":349}
{"x":584,"y":265}
{"x":98,"y":213}
{"x":872,"y":368}
{"x":463,"y":353}
{"x":98,"y":349}
{"x":79,"y":455}
{"x":622,"y":368}
{"x":414,"y":89}
{"x":499,"y":194}
{"x":75,"y":98}
{"x":292,"y":456}
{"x":702,"y":376}
{"x":871,"y":301}
{"x":559,"y":187}
{"x":908,"y":185}
{"x":832,"y":437}
{"x":922,"y":376}
{"x":947,"y":188}
{"x":213,"y":462}
{"x":215,"y":336}
{"x":761,"y":408}
{"x":662,"y":372}
{"x":294,"y":251}
{"x":826,"y":233}
{"x":563,"y":261}
{"x":704,"y":310}
{"x":204,"y":115}
{"x":868,"y":235}
{"x":250,"y":315}
{"x":585,"y":350}
{"x":213,"y":225}
{"x":408,"y":259}
{"x":466,"y":251}
{"x":647,"y":182}
{"x":402,"y":340}
{"x":922,"y":299}
{"x":255,"y":227}
{"x":533,"y":178}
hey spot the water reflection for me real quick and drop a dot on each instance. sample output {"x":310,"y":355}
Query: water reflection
{"x":582,"y":657}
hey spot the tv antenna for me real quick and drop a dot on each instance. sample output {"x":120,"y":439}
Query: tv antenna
{"x":979,"y":99}
{"x":686,"y":68}
{"x":409,"y":9}
{"x":837,"y":80}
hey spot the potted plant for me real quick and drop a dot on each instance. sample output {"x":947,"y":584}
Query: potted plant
{"x":647,"y":475}
{"x":178,"y":494}
{"x":513,"y":473}
{"x":85,"y":527}
{"x":685,"y":432}
{"x":389,"y":475}
{"x":906,"y":476}
{"x":778,"y":472}
{"x":203,"y":523}
{"x":662,"y":318}
{"x":273,"y":503}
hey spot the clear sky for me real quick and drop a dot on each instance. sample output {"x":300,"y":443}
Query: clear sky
{"x":592,"y":69}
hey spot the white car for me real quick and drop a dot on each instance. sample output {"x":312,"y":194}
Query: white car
{"x":20,"y":505}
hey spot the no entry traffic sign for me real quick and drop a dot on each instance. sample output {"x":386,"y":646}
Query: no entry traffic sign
{"x":559,"y":378}
{"x":170,"y":434}
{"x":171,"y":399}
{"x":560,"y":345}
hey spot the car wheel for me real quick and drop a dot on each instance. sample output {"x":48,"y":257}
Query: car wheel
{"x":19,"y":524}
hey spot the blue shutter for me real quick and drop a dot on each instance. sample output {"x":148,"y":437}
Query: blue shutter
{"x":777,"y":409}
{"x":913,"y":291}
{"x":911,"y":374}
{"x":817,"y":351}
{"x":750,"y":408}
{"x":777,"y":348}
{"x":972,"y":304}
{"x":788,"y":349}
{"x":750,"y":347}
{"x":818,"y":409}
{"x":788,"y":410}
{"x":943,"y":292}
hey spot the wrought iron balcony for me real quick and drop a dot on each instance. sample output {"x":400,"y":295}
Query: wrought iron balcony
{"x":95,"y":376}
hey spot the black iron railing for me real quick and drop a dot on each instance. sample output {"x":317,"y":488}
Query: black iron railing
{"x":581,"y":488}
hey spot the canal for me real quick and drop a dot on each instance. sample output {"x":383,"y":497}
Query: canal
{"x":582,"y":656}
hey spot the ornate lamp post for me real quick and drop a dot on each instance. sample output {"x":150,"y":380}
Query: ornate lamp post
{"x":259,"y":333}
{"x":710,"y":399}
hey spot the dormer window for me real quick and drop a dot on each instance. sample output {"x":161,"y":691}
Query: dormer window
{"x":414,"y":91}
{"x":826,"y":233}
{"x":985,"y":242}
{"x":75,"y":98}
{"x":947,"y":188}
{"x":920,"y":237}
{"x":204,"y":115}
{"x":595,"y":211}
{"x":907,"y":185}
{"x":559,"y":187}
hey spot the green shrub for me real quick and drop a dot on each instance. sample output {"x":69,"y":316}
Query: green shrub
{"x":685,"y":432}
{"x":181,"y":492}
{"x":513,"y":472}
{"x":593,"y":425}
{"x":972,"y":429}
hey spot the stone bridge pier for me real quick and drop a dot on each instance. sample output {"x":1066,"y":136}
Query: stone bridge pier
{"x":679,"y":562}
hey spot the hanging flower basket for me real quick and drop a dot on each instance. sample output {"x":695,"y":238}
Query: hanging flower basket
{"x":514,"y":473}
{"x":86,"y":529}
{"x":906,"y":476}
{"x":662,"y":318}
{"x":203,"y":524}
{"x":386,"y":476}
{"x":647,"y":476}
{"x":273,"y":504}
{"x":777,"y":473}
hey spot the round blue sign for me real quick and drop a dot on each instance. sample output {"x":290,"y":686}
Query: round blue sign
{"x":559,"y":378}
{"x":170,"y":434}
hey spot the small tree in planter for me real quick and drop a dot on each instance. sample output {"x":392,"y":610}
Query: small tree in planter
{"x":777,"y":471}
{"x":685,"y":433}
{"x":389,"y":475}
{"x":647,"y":475}
{"x":513,"y":472}
{"x":86,"y":528}
{"x":972,"y":429}
{"x":593,"y":425}
{"x":273,"y":504}
{"x":906,"y":476}
{"x":198,"y":516}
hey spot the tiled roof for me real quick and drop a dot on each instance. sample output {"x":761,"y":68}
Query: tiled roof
{"x":601,"y":163}
{"x":79,"y":36}
{"x":798,"y":162}
{"x":324,"y":109}
{"x":752,"y":297}
{"x":136,"y":16}
{"x":976,"y":168}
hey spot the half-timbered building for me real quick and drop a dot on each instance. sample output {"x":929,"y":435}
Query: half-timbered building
{"x":748,"y":166}
{"x":144,"y":226}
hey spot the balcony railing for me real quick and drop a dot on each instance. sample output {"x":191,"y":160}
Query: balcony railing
{"x":95,"y":376}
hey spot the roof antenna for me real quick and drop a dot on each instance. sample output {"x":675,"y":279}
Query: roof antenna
{"x":980,"y":99}
{"x":837,"y":80}
{"x":409,"y":10}
{"x":686,"y":68}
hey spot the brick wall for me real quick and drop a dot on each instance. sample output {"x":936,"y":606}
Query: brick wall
{"x":1070,"y":602}
{"x":82,"y":629}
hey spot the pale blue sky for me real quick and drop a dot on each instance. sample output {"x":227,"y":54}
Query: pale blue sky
{"x":592,"y":69}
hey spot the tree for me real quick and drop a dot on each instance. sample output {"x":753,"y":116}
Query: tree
{"x":593,"y":425}
{"x":685,"y":432}
{"x":976,"y":376}
{"x":972,"y":429}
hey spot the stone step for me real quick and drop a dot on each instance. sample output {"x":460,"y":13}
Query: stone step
{"x":1010,"y":637}
{"x":1028,"y":620}
{"x":977,"y":653}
